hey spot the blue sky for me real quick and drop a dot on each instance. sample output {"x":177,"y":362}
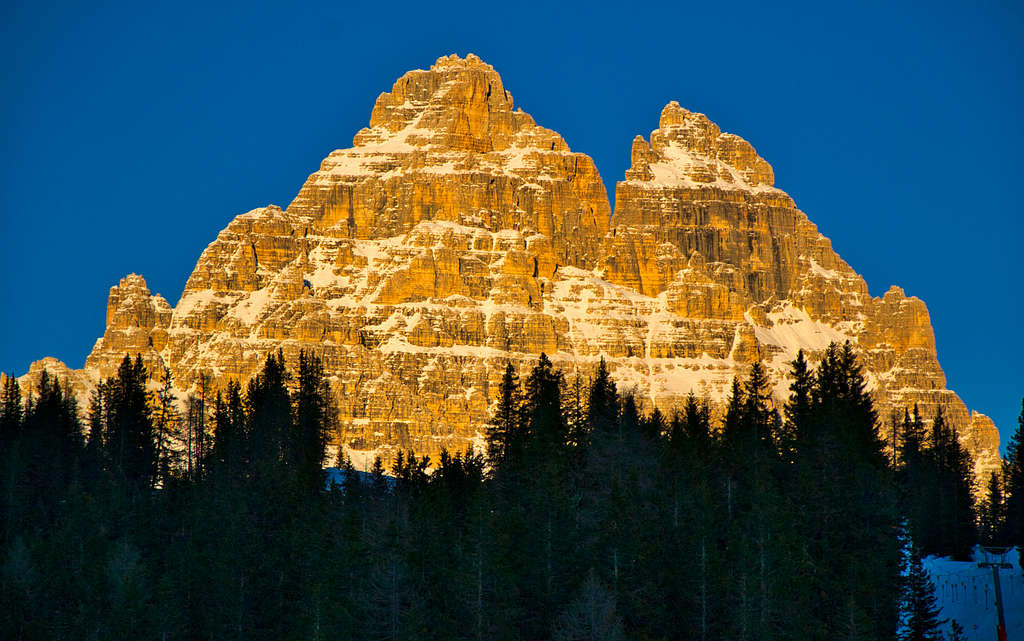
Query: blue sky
{"x":132,"y":133}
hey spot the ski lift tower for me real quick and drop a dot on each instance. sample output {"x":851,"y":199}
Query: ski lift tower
{"x":995,"y":558}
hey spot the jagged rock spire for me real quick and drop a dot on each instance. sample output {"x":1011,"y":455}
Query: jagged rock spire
{"x":456,"y":235}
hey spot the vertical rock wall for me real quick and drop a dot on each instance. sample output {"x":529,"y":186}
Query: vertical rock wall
{"x":456,"y":235}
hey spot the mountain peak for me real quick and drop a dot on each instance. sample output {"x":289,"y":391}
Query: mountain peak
{"x":673,"y":114}
{"x":458,"y":104}
{"x":457,"y":236}
{"x":446,"y":145}
{"x":453,"y":60}
{"x":688,"y":150}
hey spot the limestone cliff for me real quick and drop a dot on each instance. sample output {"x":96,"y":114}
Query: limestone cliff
{"x":699,"y":224}
{"x":456,"y":234}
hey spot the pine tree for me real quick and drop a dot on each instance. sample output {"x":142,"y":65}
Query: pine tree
{"x":1013,"y":476}
{"x":129,"y":435}
{"x":315,"y":419}
{"x":195,"y":420}
{"x":859,"y":409}
{"x":378,"y":478}
{"x":695,"y":426}
{"x":916,"y":477}
{"x":950,"y":529}
{"x":846,"y":505}
{"x":992,"y":515}
{"x":547,"y":428}
{"x":97,"y":417}
{"x":755,"y":505}
{"x":576,"y":412}
{"x":732,"y":439}
{"x":10,"y":411}
{"x":629,"y":418}
{"x":53,"y":419}
{"x":229,"y":453}
{"x":200,"y":439}
{"x":913,"y":437}
{"x":268,"y":414}
{"x":197,"y":441}
{"x":166,"y":426}
{"x":759,"y":415}
{"x":896,"y":425}
{"x":919,"y":607}
{"x":653,"y":425}
{"x":602,"y":401}
{"x":798,"y":408}
{"x":732,"y":428}
{"x":505,"y":431}
{"x":51,"y":438}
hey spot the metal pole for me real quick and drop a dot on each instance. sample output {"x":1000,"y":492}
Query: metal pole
{"x":1001,"y":628}
{"x":996,"y":565}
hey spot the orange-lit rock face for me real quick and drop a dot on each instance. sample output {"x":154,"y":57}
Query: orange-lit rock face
{"x":456,"y":235}
{"x":137,"y":323}
{"x":446,"y":145}
{"x":698,"y":221}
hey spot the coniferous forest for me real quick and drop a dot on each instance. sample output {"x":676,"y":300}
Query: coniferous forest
{"x":584,"y":519}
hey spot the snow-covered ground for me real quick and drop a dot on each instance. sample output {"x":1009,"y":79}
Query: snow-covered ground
{"x":965,"y":593}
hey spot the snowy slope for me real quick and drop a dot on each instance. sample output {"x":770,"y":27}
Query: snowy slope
{"x":965,"y":593}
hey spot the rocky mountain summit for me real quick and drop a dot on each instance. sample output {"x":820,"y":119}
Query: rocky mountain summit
{"x":456,"y":235}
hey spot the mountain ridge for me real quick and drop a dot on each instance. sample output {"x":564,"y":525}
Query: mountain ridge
{"x":457,"y":234}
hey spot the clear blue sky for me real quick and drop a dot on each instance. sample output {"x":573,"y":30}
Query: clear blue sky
{"x":133,"y":132}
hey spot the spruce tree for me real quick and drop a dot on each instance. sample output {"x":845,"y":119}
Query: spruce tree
{"x":314,"y":423}
{"x":629,"y":423}
{"x":759,"y":415}
{"x":166,"y":426}
{"x":950,"y":526}
{"x":51,"y":441}
{"x":576,"y":412}
{"x":913,"y":437}
{"x":129,"y":435}
{"x":798,"y":408}
{"x":10,"y":411}
{"x":693,"y":427}
{"x":229,"y":454}
{"x":53,"y":422}
{"x":1013,"y":476}
{"x":268,"y":415}
{"x":756,"y":506}
{"x":846,"y":506}
{"x":505,"y":431}
{"x":916,"y":478}
{"x":653,"y":425}
{"x":919,"y":608}
{"x":197,"y":443}
{"x":200,"y":439}
{"x":538,"y":508}
{"x":97,"y":417}
{"x":547,"y":428}
{"x":378,"y":477}
{"x":992,"y":514}
{"x":733,"y":437}
{"x":602,"y":401}
{"x":857,"y":407}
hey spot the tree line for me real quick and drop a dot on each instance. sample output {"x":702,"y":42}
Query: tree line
{"x":585,"y":518}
